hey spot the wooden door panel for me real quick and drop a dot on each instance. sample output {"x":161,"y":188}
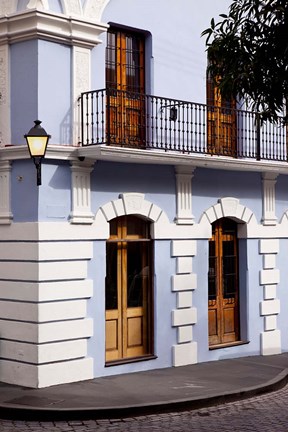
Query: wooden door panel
{"x":113,"y":336}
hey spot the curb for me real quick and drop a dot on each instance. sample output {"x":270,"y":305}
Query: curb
{"x":34,"y":413}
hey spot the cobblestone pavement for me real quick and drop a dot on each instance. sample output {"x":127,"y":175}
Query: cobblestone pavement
{"x":265,"y":413}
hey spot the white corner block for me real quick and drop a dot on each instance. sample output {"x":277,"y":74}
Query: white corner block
{"x":183,"y":248}
{"x":269,"y":276}
{"x":185,"y":354}
{"x":44,"y":353}
{"x":269,"y":246}
{"x":185,"y":334}
{"x":269,"y":261}
{"x":270,"y":307}
{"x":270,"y":322}
{"x":271,"y":342}
{"x":184,"y":265}
{"x":184,"y":299}
{"x":270,"y":292}
{"x":61,"y":310}
{"x":51,"y":311}
{"x":65,"y":330}
{"x":65,"y":372}
{"x":21,"y":374}
{"x":184,"y":282}
{"x":182,"y":317}
{"x":70,"y":250}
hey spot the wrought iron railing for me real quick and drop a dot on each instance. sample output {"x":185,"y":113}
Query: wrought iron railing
{"x":127,"y":119}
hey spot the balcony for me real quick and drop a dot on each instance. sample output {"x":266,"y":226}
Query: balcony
{"x":124,"y":119}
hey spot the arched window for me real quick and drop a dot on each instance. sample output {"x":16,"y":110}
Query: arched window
{"x":128,"y":289}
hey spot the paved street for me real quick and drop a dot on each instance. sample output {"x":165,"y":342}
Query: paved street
{"x":266,"y":413}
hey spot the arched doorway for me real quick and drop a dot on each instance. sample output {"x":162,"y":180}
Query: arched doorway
{"x":128,"y":288}
{"x":223,"y":284}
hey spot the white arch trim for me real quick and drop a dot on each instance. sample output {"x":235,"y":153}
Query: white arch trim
{"x":229,"y":207}
{"x":130,"y":203}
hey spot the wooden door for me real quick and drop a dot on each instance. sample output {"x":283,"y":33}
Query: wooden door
{"x":128,"y":289}
{"x":125,"y":82}
{"x":221,"y":122}
{"x":223,"y":290}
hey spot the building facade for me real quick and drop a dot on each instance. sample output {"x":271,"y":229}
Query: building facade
{"x":159,"y":235}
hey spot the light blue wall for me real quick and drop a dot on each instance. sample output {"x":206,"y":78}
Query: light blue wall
{"x":54,"y":97}
{"x":55,"y":196}
{"x":209,"y":185}
{"x":156,"y":182}
{"x":24,"y":192}
{"x":23,"y":87}
{"x":41,"y":89}
{"x":281,"y":195}
{"x":178,"y":56}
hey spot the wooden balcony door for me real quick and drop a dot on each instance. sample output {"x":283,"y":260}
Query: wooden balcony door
{"x":128,"y":289}
{"x":221,"y":122}
{"x":223,"y":289}
{"x":125,"y":82}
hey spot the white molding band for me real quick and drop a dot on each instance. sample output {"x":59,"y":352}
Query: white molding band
{"x":184,"y":195}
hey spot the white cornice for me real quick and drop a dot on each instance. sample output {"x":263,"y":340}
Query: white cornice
{"x":34,"y":24}
{"x":138,"y":156}
{"x":129,"y":155}
{"x":11,"y":153}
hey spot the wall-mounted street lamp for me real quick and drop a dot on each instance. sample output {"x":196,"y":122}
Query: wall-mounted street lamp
{"x":37,"y":141}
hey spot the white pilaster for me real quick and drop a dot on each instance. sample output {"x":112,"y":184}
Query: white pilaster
{"x":5,"y":132}
{"x":184,"y":195}
{"x":81,"y":193}
{"x":5,"y":209}
{"x":268,"y":199}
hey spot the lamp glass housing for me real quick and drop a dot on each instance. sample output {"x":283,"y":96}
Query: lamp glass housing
{"x":37,"y":145}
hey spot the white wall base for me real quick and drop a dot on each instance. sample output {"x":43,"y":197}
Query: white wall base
{"x":185,"y":354}
{"x":271,"y":342}
{"x":28,"y":375}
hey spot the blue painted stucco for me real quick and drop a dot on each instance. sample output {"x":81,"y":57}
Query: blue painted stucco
{"x":23,"y":88}
{"x":54,"y":94}
{"x":156,"y":182}
{"x":41,"y":89}
{"x":210,"y":185}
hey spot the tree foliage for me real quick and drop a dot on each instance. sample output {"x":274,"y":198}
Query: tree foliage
{"x":248,"y":54}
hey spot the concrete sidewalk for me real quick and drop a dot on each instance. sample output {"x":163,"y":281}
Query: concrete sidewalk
{"x":161,"y":390}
